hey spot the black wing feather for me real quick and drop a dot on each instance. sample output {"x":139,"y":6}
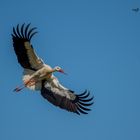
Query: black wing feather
{"x":31,"y":30}
{"x":30,"y":37}
{"x":26,"y":30}
{"x":77,"y":105}
{"x":22,"y":31}
{"x":20,"y":36}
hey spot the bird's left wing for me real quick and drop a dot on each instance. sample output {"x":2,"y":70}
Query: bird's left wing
{"x":23,"y":48}
{"x":66,"y":99}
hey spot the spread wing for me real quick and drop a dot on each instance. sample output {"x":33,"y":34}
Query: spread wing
{"x":24,"y":50}
{"x":66,"y":99}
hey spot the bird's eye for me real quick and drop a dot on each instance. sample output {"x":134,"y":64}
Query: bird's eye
{"x":57,"y":68}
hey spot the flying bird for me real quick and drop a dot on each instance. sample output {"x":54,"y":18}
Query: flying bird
{"x":135,"y":9}
{"x":39,"y":76}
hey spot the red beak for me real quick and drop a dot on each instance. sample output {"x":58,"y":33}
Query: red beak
{"x":62,"y":72}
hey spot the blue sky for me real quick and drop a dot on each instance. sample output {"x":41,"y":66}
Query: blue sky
{"x":97,"y":43}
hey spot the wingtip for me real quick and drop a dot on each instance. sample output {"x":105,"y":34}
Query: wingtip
{"x":24,"y":32}
{"x":83,"y":101}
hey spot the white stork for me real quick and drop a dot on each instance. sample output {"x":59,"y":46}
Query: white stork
{"x":39,"y":76}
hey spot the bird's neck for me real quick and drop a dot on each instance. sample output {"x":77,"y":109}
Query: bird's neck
{"x":53,"y":70}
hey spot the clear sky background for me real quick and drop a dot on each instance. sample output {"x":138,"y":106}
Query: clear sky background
{"x":97,"y":42}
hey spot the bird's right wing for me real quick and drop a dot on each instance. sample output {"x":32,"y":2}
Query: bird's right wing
{"x":24,"y":50}
{"x":66,"y":99}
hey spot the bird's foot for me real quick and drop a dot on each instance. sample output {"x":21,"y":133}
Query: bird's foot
{"x":17,"y":89}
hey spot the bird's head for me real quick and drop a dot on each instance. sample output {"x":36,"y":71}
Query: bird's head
{"x":58,"y":69}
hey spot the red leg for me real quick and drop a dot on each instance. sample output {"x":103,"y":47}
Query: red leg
{"x":30,"y":82}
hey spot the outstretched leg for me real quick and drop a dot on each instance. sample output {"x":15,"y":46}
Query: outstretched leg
{"x":27,"y":83}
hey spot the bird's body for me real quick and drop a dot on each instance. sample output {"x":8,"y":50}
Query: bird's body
{"x":39,"y":76}
{"x":35,"y":77}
